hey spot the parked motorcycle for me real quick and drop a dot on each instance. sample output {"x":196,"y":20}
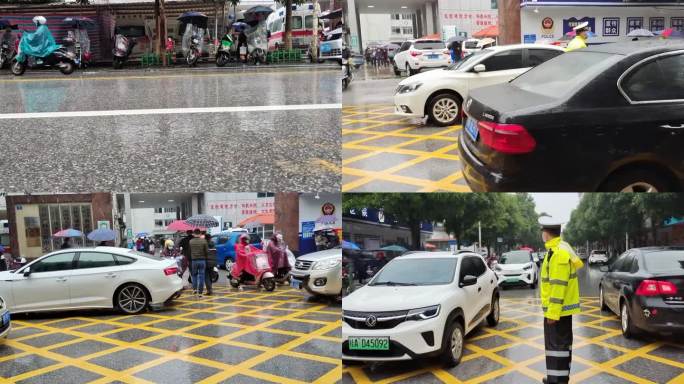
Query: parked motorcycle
{"x":257,"y":274}
{"x":193,"y":54}
{"x":5,"y":54}
{"x":122,"y":50}
{"x":347,"y":74}
{"x":226,"y":52}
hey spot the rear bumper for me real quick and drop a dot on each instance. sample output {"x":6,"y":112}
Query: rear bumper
{"x":668,"y":318}
{"x":419,"y":64}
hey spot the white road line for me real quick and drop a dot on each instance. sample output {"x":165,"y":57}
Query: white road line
{"x":169,"y":111}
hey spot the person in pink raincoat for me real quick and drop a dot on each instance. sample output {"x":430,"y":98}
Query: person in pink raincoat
{"x":277,"y":255}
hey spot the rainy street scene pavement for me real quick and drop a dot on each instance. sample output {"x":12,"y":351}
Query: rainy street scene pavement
{"x":252,"y":336}
{"x":382,"y":151}
{"x":607,"y":345}
{"x":178,"y":130}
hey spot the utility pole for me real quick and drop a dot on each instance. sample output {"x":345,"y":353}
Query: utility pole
{"x":626,"y":241}
{"x":160,"y":25}
{"x":479,"y":234}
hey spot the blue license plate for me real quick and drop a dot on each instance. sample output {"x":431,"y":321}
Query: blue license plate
{"x":5,"y":318}
{"x":433,"y":57}
{"x":471,"y":128}
{"x":325,"y":48}
{"x":294,"y":283}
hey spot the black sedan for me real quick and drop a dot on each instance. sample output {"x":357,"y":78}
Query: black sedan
{"x":606,"y":118}
{"x":645,"y":287}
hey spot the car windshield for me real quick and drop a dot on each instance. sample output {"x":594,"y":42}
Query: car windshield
{"x":433,"y":271}
{"x":559,"y":76}
{"x":515,"y":257}
{"x":664,"y":261}
{"x":468,"y":60}
{"x":421,"y":45}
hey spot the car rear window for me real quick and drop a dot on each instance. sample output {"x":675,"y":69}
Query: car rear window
{"x":515,"y":257}
{"x":470,"y":44}
{"x":664,"y":261}
{"x":561,"y":75}
{"x":420,"y":45}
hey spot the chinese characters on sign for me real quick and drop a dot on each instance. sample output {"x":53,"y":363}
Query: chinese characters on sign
{"x":634,"y":23}
{"x":481,"y":19}
{"x":611,"y":26}
{"x":245,"y":208}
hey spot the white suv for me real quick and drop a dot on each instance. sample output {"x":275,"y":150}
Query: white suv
{"x":420,"y":304}
{"x":414,"y":55}
{"x":598,"y":257}
{"x":440,"y":94}
{"x":516,"y":268}
{"x":320,"y":273}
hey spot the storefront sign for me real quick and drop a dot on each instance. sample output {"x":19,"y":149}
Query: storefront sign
{"x":611,"y":26}
{"x":634,"y":23}
{"x":569,"y":24}
{"x":308,"y":229}
{"x":529,"y":39}
{"x":547,"y":28}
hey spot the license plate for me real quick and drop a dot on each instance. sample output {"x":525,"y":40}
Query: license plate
{"x":512,"y":280}
{"x":433,"y":57}
{"x":325,"y":48}
{"x":369,"y":343}
{"x":294,"y":283}
{"x":471,"y":128}
{"x":5,"y":318}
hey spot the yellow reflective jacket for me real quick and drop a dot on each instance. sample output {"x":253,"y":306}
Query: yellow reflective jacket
{"x":577,"y":43}
{"x":559,"y":285}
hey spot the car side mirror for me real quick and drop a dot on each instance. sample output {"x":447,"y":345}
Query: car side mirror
{"x":604,"y":268}
{"x":27,"y":272}
{"x":468,"y":280}
{"x":479,"y":68}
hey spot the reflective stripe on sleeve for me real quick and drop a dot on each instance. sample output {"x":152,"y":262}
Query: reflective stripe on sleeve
{"x":558,"y":353}
{"x":573,"y":275}
{"x":558,"y":282}
{"x":553,"y":300}
{"x":545,"y":279}
{"x":569,"y":307}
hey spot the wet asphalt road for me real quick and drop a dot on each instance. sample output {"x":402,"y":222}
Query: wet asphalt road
{"x":269,"y":148}
{"x":371,"y":87}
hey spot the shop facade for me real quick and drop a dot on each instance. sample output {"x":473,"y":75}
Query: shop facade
{"x":609,"y":20}
{"x":34,"y":218}
{"x":371,"y":228}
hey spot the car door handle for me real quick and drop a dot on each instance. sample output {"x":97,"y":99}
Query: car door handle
{"x":668,"y":126}
{"x":111,"y":275}
{"x":479,"y":289}
{"x":61,"y":279}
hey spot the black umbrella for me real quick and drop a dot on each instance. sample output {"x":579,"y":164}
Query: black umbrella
{"x":204,"y":221}
{"x":257,"y":13}
{"x":195,"y":18}
{"x":4,"y":23}
{"x":80,"y":22}
{"x":455,"y":38}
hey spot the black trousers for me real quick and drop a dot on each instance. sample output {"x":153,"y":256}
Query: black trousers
{"x":558,"y":346}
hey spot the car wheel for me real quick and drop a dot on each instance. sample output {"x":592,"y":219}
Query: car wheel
{"x":453,"y":344}
{"x":132,"y":299}
{"x":397,"y":71}
{"x":638,"y":180}
{"x":628,"y":329}
{"x":493,"y":318}
{"x":602,"y":302}
{"x":444,"y":109}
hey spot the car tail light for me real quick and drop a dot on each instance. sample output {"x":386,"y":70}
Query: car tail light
{"x":506,"y":138}
{"x":656,"y":288}
{"x":171,"y":271}
{"x":415,"y":53}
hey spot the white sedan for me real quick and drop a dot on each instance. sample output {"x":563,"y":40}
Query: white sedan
{"x":102,"y":277}
{"x":439,"y":94}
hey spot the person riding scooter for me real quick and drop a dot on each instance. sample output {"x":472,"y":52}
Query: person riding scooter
{"x":277,"y":258}
{"x":122,"y":50}
{"x":251,"y":267}
{"x":39,"y":49}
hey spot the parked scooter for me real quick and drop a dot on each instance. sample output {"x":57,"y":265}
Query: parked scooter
{"x":193,"y":53}
{"x":122,"y":50}
{"x":257,"y":274}
{"x":38,"y":49}
{"x":6,"y":54}
{"x":226,"y":52}
{"x":347,"y":74}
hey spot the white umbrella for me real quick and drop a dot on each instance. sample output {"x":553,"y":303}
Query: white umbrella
{"x":640,"y":33}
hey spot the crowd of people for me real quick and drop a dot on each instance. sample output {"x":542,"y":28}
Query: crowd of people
{"x":377,"y":56}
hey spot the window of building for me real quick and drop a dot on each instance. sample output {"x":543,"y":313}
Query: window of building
{"x":158,"y":223}
{"x":495,"y":4}
{"x":656,"y":24}
{"x":167,"y":222}
{"x":677,"y":23}
{"x":407,"y":31}
{"x":407,"y":16}
{"x":395,"y":16}
{"x":55,"y":217}
{"x":396,"y":30}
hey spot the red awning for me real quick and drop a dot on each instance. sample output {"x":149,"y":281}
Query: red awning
{"x":491,"y":31}
{"x":434,"y":36}
{"x":259,"y":219}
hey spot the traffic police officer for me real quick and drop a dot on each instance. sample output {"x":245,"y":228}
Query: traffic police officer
{"x":580,"y":40}
{"x":560,"y":300}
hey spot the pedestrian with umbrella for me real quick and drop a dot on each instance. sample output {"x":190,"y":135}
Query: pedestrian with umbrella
{"x":67,"y":234}
{"x":102,"y":235}
{"x":454,"y":47}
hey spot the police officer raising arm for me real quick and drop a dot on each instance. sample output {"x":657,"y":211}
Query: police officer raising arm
{"x":560,"y":300}
{"x":581,"y":36}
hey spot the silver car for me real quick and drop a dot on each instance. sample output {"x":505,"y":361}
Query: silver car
{"x":320,"y":273}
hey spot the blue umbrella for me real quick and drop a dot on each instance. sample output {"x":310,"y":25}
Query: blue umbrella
{"x":142,"y":234}
{"x":240,"y":26}
{"x":102,"y":234}
{"x":349,"y":245}
{"x":4,"y":23}
{"x":394,"y":248}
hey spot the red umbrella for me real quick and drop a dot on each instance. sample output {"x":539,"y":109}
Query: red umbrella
{"x":667,"y":32}
{"x":180,"y":226}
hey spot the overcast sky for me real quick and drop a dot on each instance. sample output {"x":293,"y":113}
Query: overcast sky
{"x":558,"y":205}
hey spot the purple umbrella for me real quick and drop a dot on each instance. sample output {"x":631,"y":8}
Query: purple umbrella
{"x":69,"y":232}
